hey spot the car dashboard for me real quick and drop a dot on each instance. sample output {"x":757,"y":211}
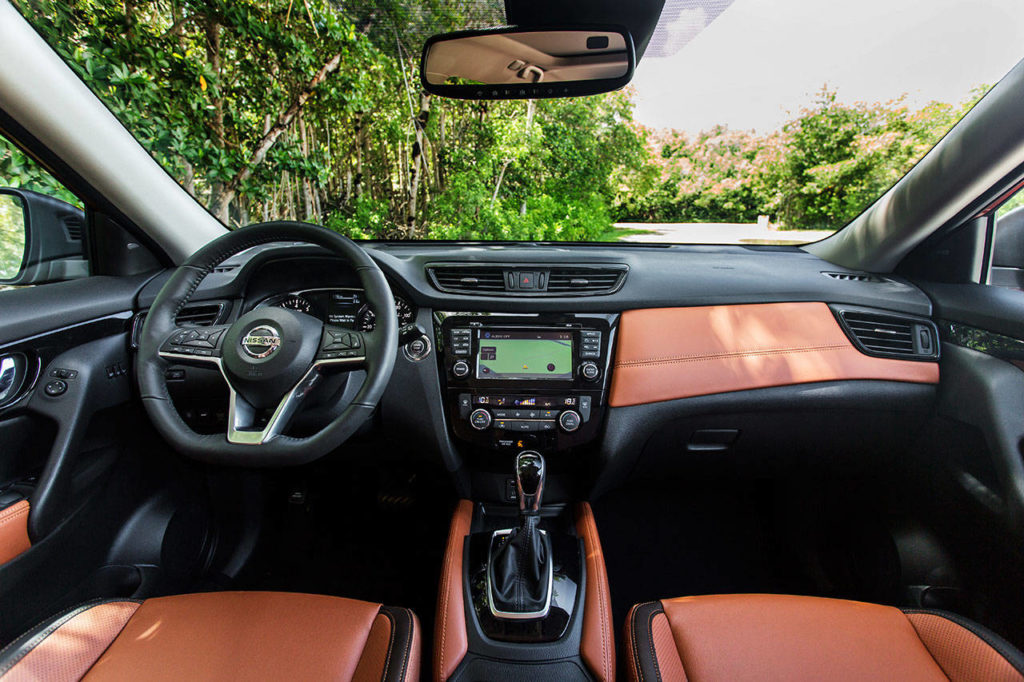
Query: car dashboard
{"x":592,"y":354}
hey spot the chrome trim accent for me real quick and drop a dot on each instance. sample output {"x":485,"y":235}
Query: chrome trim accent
{"x":239,"y":410}
{"x":426,"y":354}
{"x":529,"y":615}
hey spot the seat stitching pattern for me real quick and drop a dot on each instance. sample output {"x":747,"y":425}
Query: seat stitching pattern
{"x":654,"y":655}
{"x":58,"y":621}
{"x":408,"y":644}
{"x":391,"y":644}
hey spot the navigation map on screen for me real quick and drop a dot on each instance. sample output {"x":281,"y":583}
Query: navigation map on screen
{"x":524,"y":355}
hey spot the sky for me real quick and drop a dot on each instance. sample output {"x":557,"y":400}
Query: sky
{"x":759,"y":61}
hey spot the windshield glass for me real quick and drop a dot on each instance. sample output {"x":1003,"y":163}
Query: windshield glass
{"x":748,"y":121}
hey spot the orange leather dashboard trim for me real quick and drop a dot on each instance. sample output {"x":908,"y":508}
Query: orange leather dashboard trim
{"x":450,"y":639}
{"x":14,"y":531}
{"x":670,"y":353}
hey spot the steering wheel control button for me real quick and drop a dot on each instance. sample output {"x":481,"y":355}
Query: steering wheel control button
{"x":569,"y":420}
{"x":56,"y":388}
{"x":261,"y":342}
{"x":590,"y":371}
{"x":460,"y":369}
{"x":480,"y":419}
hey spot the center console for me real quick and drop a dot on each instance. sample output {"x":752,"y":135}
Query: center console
{"x":526,"y":381}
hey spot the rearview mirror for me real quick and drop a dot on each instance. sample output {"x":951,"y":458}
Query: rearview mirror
{"x":523,"y":63}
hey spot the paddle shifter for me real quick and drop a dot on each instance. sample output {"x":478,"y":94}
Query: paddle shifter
{"x":520,"y":571}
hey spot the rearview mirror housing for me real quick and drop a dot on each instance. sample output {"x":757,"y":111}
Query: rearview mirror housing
{"x":50,"y":241}
{"x":527,"y":63}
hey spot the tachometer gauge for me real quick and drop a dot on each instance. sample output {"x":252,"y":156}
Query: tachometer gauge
{"x":295,"y":302}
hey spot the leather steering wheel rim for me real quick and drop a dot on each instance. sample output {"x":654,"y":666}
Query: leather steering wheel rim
{"x":280,"y":450}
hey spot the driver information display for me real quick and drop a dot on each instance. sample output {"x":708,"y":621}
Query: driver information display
{"x":524,"y":355}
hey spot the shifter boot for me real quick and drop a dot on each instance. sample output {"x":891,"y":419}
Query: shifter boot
{"x":519,"y":569}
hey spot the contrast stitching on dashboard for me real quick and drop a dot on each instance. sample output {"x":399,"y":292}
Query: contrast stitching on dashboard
{"x":701,"y":357}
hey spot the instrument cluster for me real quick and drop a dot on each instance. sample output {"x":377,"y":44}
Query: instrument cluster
{"x":341,"y":307}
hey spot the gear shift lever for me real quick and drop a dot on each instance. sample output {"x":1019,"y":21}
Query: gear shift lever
{"x":530,"y":473}
{"x":519,"y":569}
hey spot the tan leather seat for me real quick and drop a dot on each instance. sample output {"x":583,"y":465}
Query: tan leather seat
{"x":221,"y":636}
{"x":773,"y":637}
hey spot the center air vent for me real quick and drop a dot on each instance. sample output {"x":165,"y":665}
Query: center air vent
{"x":527,"y":280}
{"x":591,"y":280}
{"x":468,"y":279}
{"x":888,"y":335}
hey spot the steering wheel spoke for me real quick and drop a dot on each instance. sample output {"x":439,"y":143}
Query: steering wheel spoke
{"x":194,"y":344}
{"x":247,"y":426}
{"x":342,"y":348}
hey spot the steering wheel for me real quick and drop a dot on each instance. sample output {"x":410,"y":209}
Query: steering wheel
{"x":271,"y":358}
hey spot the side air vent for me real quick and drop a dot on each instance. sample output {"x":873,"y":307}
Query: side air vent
{"x":592,"y":280}
{"x":855,"y":277}
{"x":222,"y":269}
{"x":530,"y":280}
{"x":888,"y":335}
{"x":199,"y":315}
{"x":468,"y":279}
{"x":192,"y":315}
{"x":73,"y":227}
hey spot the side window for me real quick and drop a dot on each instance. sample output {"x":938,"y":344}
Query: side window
{"x":42,"y":224}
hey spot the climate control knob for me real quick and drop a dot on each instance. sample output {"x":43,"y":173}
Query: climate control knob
{"x":460,"y":369}
{"x":480,"y":419}
{"x":570,"y":420}
{"x":590,"y":371}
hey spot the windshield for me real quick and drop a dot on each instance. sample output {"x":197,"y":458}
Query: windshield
{"x":748,"y":121}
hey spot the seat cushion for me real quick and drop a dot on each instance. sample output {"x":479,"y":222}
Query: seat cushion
{"x":221,"y":636}
{"x":777,"y":637}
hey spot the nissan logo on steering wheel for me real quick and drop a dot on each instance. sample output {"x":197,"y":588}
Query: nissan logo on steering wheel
{"x":261,"y":342}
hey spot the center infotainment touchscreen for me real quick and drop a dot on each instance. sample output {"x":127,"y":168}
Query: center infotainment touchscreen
{"x":524,"y":355}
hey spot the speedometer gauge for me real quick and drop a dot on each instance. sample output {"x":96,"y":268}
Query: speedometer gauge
{"x":367,"y":320}
{"x":295,"y":302}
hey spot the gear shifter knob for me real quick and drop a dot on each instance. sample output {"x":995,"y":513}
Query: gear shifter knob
{"x":530,"y":471}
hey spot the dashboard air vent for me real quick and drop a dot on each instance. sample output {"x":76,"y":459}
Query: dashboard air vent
{"x":891,"y":335}
{"x":199,"y":314}
{"x":468,"y":278}
{"x":528,"y":280}
{"x":855,"y":277}
{"x":592,"y":280}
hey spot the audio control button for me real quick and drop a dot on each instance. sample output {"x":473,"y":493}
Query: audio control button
{"x":460,"y":369}
{"x":480,"y":419}
{"x":590,"y":371}
{"x":569,"y":420}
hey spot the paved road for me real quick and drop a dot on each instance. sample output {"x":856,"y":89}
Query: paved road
{"x":719,"y":233}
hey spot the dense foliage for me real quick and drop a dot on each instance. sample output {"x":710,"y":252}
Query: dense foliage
{"x":311,"y":110}
{"x":819,"y":171}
